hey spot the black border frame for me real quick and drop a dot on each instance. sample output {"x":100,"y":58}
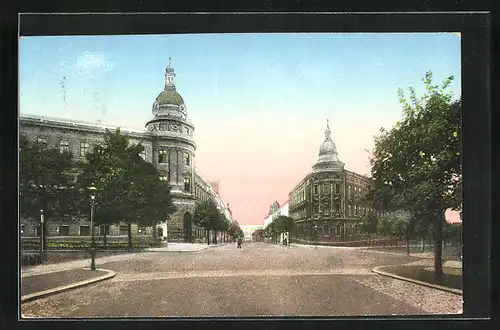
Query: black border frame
{"x":476,"y":69}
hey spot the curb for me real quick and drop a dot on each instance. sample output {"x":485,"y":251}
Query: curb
{"x":434,"y":286}
{"x":36,"y":295}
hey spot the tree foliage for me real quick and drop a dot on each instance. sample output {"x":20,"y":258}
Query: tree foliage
{"x":416,"y":165}
{"x":46,"y":182}
{"x":128,"y":187}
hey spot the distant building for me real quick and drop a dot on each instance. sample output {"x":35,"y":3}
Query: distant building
{"x":248,"y":230}
{"x":329,"y":201}
{"x":169,"y":145}
{"x":274,"y":212}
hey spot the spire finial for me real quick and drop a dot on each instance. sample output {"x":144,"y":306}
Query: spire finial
{"x":169,"y":75}
{"x":327,"y":131}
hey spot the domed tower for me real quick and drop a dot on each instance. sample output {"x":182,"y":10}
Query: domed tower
{"x":328,"y":156}
{"x":174,"y":148}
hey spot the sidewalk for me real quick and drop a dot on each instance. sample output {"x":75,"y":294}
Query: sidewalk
{"x":37,"y":286}
{"x":82,"y":263}
{"x":184,"y":247}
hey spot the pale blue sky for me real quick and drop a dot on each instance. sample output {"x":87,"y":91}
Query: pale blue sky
{"x":230,"y":74}
{"x":259,"y":102}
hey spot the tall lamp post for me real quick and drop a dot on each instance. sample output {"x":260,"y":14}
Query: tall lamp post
{"x":41,"y":234}
{"x":315,"y":236}
{"x":92,"y":190}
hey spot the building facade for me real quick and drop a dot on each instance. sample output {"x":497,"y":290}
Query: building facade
{"x":169,"y":144}
{"x":328,"y":203}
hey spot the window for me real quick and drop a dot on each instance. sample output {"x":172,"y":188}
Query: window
{"x":338,"y":229}
{"x":337,"y":188}
{"x":326,"y":230}
{"x":186,"y":159}
{"x":84,"y":230}
{"x":99,"y":148}
{"x":22,"y":229}
{"x":63,"y":146}
{"x":101,"y":230}
{"x":163,"y":176}
{"x":348,"y":209}
{"x":41,"y":140}
{"x":162,"y":156}
{"x":123,"y":230}
{"x":188,"y":131}
{"x":315,"y":189}
{"x":63,"y":230}
{"x":142,"y":230}
{"x":349,"y":192}
{"x":84,"y":149}
{"x":143,"y":154}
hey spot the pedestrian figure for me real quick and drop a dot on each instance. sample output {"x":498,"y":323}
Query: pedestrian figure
{"x":285,"y":242}
{"x":239,"y":242}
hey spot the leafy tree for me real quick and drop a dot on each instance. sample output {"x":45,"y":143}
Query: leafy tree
{"x":416,"y":165}
{"x":46,"y":182}
{"x":235,"y":231}
{"x":402,"y":225}
{"x":258,"y":235}
{"x":206,"y":215}
{"x":128,"y":187}
{"x":369,"y":226}
{"x":284,"y":223}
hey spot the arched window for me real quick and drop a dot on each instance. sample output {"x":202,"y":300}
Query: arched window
{"x":338,"y":229}
{"x":187,"y":184}
{"x":187,"y":160}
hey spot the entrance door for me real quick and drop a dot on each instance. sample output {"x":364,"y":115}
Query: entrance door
{"x":188,"y":227}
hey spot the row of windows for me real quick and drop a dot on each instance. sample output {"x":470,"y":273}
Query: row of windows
{"x":357,"y":210}
{"x":355,"y":191}
{"x":326,"y":188}
{"x":163,"y":157}
{"x":84,"y":147}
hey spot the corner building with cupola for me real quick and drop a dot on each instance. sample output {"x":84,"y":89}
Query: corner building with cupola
{"x":328,"y":203}
{"x":169,"y":145}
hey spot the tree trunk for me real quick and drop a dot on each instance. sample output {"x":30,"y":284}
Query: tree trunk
{"x":129,"y":229}
{"x":438,"y":252}
{"x":369,"y":241}
{"x":105,"y":241}
{"x":208,"y":236}
{"x":423,"y":245}
{"x":215,"y":237}
{"x":408,"y":245}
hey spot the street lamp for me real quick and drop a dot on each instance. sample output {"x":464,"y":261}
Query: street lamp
{"x":41,"y":233}
{"x":315,"y":235}
{"x":92,"y":190}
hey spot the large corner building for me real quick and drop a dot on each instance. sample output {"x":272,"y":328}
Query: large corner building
{"x":169,"y":145}
{"x":328,"y":203}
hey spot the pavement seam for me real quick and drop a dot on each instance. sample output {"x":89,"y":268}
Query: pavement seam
{"x":40,"y":294}
{"x":378,"y":270}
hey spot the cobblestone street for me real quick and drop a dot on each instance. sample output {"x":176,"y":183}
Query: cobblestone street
{"x":257,"y":280}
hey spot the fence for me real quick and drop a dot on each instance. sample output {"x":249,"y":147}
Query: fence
{"x":84,"y":242}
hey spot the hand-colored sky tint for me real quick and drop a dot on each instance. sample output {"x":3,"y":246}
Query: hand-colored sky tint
{"x":259,"y":101}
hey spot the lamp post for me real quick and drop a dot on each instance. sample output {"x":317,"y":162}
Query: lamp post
{"x":41,"y":233}
{"x":92,"y":190}
{"x":315,"y":234}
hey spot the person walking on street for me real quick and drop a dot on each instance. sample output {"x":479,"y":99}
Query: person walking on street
{"x":239,"y":242}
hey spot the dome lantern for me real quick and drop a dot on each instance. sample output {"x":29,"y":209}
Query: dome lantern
{"x":328,"y":156}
